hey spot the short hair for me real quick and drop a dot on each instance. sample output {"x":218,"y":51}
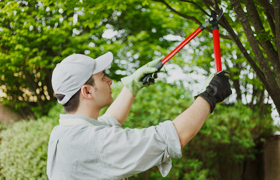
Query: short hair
{"x":73,"y":103}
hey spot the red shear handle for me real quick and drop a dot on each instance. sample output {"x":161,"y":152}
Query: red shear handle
{"x":217,"y":50}
{"x":181,"y":45}
{"x":145,"y":79}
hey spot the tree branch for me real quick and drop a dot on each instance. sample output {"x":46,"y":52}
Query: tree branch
{"x":225,"y":36}
{"x":270,"y":22}
{"x":216,"y":5}
{"x":273,"y":88}
{"x":236,"y":82}
{"x":180,"y":14}
{"x":244,"y":52}
{"x":267,"y":7}
{"x":210,"y":2}
{"x":191,"y":18}
{"x":277,"y":25}
{"x":266,"y":44}
{"x":196,"y":6}
{"x":206,"y":4}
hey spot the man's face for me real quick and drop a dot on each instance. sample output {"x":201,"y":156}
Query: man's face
{"x":102,"y":90}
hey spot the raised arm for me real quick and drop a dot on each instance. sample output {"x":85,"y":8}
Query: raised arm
{"x":215,"y":90}
{"x":121,"y":106}
{"x":132,"y":84}
{"x":188,"y":123}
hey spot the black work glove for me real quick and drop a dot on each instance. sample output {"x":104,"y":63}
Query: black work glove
{"x":216,"y":89}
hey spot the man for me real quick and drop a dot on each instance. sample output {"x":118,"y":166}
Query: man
{"x":85,"y":146}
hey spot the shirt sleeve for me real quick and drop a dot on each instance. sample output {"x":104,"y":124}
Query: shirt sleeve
{"x":173,"y":149}
{"x":109,"y":120}
{"x":130,"y":151}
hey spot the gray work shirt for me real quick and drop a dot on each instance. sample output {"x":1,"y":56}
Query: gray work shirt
{"x":101,"y":149}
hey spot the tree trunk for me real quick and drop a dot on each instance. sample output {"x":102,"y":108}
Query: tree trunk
{"x":269,"y":81}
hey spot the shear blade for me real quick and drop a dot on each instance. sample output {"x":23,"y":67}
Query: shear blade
{"x":220,"y":15}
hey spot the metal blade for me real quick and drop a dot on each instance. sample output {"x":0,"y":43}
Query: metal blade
{"x":204,"y":25}
{"x":220,"y":15}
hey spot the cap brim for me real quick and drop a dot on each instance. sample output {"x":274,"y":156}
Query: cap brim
{"x":103,"y":62}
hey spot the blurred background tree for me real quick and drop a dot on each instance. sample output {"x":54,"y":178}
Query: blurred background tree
{"x":37,"y":35}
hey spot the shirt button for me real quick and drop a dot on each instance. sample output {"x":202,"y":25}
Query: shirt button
{"x":166,"y":172}
{"x":168,"y":156}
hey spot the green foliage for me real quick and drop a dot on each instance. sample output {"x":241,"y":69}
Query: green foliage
{"x":195,"y":171}
{"x":37,"y":35}
{"x":23,"y":149}
{"x":154,"y":104}
{"x":226,"y":139}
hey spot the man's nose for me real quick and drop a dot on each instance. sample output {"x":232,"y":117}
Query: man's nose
{"x":109,"y":81}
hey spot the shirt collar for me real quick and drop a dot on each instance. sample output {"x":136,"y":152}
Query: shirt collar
{"x":88,"y":119}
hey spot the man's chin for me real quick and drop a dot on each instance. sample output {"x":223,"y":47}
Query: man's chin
{"x":109,"y":103}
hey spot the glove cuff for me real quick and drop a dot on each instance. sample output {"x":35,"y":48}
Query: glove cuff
{"x":131,"y":85}
{"x":210,"y":99}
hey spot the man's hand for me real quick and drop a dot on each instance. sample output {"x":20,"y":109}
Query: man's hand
{"x":216,"y":89}
{"x":133,"y":82}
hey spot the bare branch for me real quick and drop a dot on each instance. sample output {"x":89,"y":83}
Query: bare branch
{"x":225,"y":36}
{"x":216,"y":5}
{"x":196,"y":6}
{"x":180,"y":14}
{"x":206,"y":4}
{"x":277,"y":25}
{"x":267,"y":7}
{"x":270,"y":22}
{"x":242,"y":48}
{"x":191,"y":18}
{"x":210,"y":2}
{"x":236,"y":82}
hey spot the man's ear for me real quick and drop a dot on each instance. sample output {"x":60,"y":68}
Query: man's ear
{"x":86,"y":91}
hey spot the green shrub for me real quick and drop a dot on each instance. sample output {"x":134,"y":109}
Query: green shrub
{"x":23,"y":150}
{"x":226,"y":139}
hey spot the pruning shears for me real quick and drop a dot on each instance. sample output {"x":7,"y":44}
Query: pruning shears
{"x":216,"y":41}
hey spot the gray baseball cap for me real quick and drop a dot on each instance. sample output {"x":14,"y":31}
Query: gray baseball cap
{"x":73,"y":72}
